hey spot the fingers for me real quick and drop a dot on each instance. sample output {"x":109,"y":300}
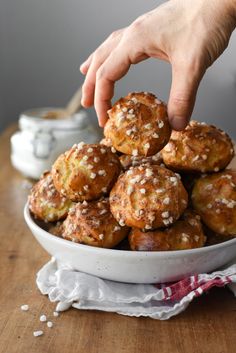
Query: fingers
{"x":92,"y":64}
{"x":89,"y":83}
{"x":115,"y":67}
{"x":185,"y":81}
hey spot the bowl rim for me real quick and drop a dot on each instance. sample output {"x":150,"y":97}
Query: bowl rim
{"x":173,"y":253}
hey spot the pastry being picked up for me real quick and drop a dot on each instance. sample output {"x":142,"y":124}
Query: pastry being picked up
{"x":148,"y":197}
{"x":46,"y":203}
{"x":214,"y":198}
{"x":86,"y":172}
{"x":186,"y":233}
{"x":138,"y":125}
{"x":199,"y":148}
{"x":92,"y":223}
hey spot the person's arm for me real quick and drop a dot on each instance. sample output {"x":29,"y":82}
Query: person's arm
{"x":190,"y":35}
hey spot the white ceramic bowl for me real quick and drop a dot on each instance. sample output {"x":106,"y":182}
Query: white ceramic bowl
{"x":133,"y":266}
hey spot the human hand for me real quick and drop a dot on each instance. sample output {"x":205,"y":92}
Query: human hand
{"x":190,"y":35}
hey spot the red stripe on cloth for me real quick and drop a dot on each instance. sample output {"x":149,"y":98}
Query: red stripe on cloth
{"x":192,"y":284}
{"x":217,"y":282}
{"x":196,"y":280}
{"x":182,"y":288}
{"x":166,"y":296}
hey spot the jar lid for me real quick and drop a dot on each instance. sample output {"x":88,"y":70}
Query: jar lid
{"x":33,"y":119}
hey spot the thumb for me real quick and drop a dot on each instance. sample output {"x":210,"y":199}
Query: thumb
{"x":185,"y":82}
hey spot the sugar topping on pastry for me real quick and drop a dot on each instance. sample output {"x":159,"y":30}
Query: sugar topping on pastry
{"x":138,"y":125}
{"x":46,"y":203}
{"x":214,"y":198}
{"x":199,"y":148}
{"x":148,"y":197}
{"x":86,"y":172}
{"x":93,"y":224}
{"x":186,"y":233}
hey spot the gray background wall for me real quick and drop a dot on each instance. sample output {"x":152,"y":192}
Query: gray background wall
{"x":42,"y":44}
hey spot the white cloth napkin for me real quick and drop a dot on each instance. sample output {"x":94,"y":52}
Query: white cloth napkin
{"x":83,"y":291}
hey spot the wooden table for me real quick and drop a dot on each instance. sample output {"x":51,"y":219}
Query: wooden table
{"x":208,"y":324}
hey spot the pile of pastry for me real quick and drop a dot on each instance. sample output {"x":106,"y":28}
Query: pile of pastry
{"x":158,"y":189}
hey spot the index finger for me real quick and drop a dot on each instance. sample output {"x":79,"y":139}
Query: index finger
{"x":113,"y":69}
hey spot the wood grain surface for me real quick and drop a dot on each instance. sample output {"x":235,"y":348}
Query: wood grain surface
{"x":208,"y":324}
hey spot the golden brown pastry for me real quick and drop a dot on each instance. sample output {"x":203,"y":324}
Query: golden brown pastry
{"x":92,"y":223}
{"x":46,"y":203}
{"x":56,"y":229}
{"x":185,"y":234}
{"x":86,"y":172}
{"x":128,"y":161}
{"x":138,"y":125}
{"x":198,"y":148}
{"x":214,"y":238}
{"x":148,"y":197}
{"x":214,"y":198}
{"x":106,"y":142}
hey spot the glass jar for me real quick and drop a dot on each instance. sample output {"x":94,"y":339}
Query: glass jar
{"x":40,"y":141}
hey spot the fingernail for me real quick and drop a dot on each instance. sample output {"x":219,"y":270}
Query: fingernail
{"x":83,"y":102}
{"x":100,"y":123}
{"x":178,"y":123}
{"x":81,"y":67}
